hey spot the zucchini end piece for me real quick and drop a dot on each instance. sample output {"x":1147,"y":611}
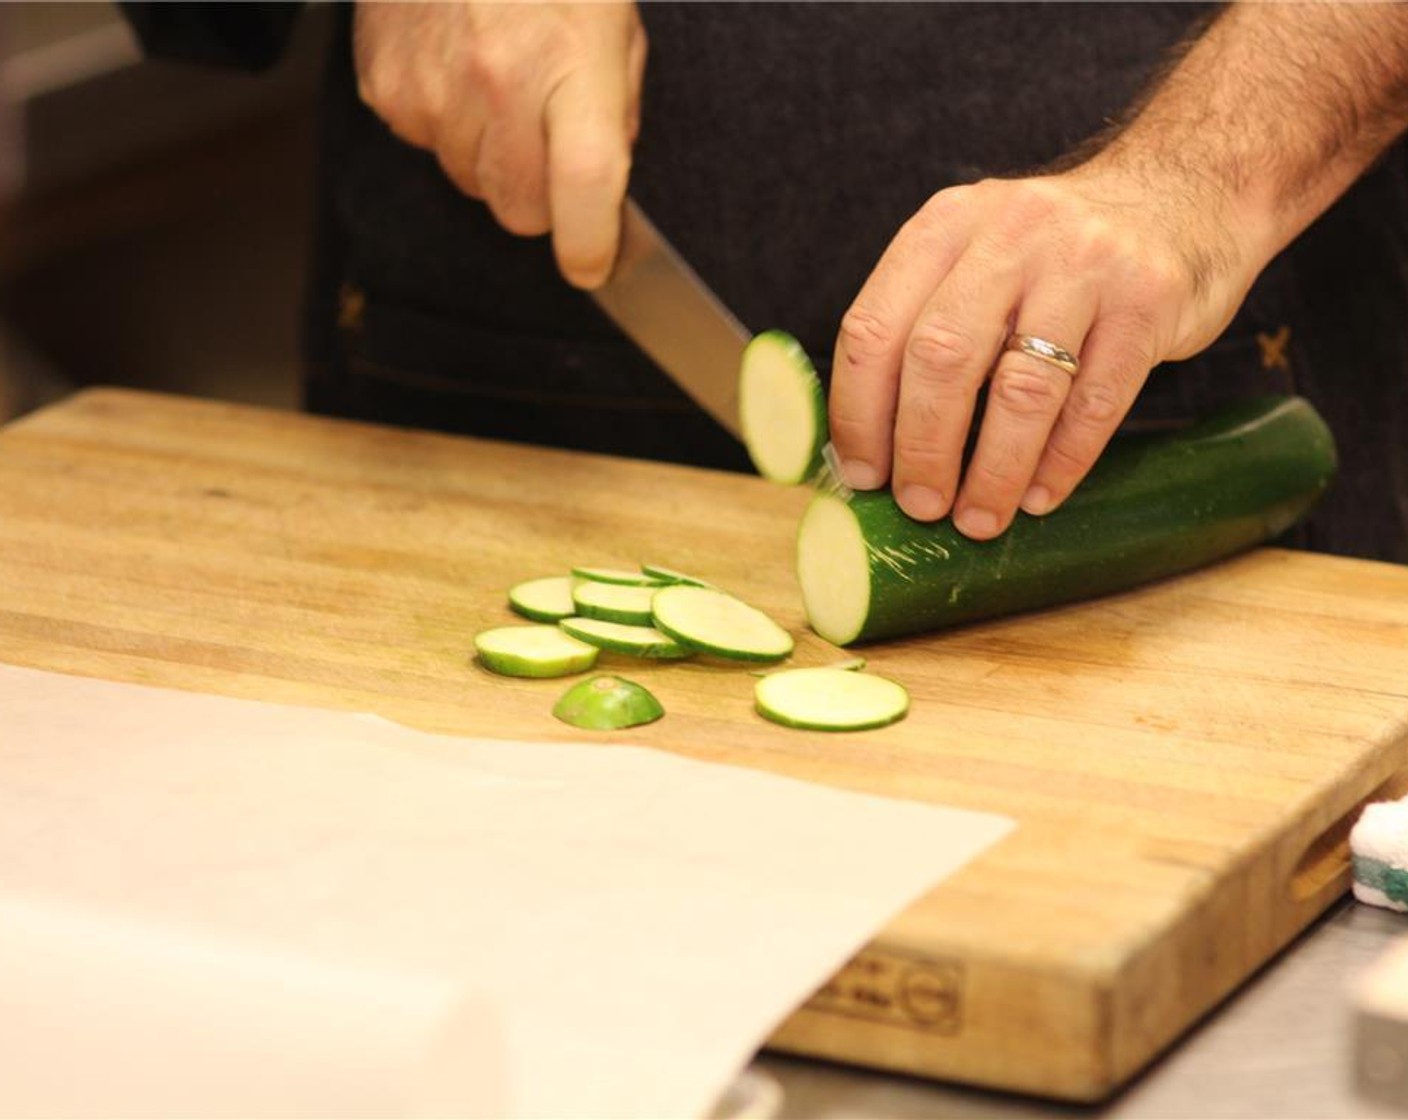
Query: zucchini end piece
{"x":607,"y":703}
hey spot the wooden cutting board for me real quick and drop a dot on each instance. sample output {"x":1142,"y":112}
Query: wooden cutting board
{"x":1184,"y":761}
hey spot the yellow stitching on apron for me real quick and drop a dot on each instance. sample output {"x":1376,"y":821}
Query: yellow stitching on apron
{"x":351,"y":308}
{"x":1273,"y":349}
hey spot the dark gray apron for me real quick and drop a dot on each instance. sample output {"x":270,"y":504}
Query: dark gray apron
{"x":782,"y":147}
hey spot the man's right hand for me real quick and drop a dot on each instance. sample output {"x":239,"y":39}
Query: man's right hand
{"x":532,"y":107}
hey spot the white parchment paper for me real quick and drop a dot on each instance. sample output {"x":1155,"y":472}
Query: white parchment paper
{"x":215,"y":907}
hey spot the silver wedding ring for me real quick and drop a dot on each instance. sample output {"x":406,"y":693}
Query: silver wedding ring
{"x":1045,"y":351}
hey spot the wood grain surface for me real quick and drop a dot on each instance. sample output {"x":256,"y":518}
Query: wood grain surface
{"x":1184,"y":761}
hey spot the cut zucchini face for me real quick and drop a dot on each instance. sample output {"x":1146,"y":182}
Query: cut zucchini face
{"x":623,"y":576}
{"x":618,"y":637}
{"x":782,"y":408}
{"x":614,"y":602}
{"x":834,"y":569}
{"x":543,"y":600}
{"x":607,"y":703}
{"x":830,"y":699}
{"x":533,"y":651}
{"x":713,"y":622}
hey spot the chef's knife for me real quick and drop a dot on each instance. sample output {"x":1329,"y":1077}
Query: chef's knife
{"x":660,"y":303}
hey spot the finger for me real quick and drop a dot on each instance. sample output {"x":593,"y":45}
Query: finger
{"x":949,"y":352}
{"x":1114,"y":366}
{"x":1025,"y":397}
{"x":512,"y":162}
{"x":635,"y":76}
{"x":589,"y":161}
{"x":457,"y":140}
{"x":407,"y":98}
{"x":865,"y":374}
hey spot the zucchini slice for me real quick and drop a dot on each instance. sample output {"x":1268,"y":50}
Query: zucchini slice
{"x":607,"y":703}
{"x":1153,"y":506}
{"x":543,"y":600}
{"x":669,"y":575}
{"x":533,"y":651}
{"x":713,"y":622}
{"x":830,"y":699}
{"x":623,"y":576}
{"x":618,"y":637}
{"x":614,"y":602}
{"x":781,"y":408}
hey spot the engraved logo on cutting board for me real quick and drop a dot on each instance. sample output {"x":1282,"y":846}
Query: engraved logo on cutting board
{"x":901,"y":989}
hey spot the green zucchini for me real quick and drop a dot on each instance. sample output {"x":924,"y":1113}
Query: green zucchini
{"x":533,"y":651}
{"x":543,"y":600}
{"x":607,"y":704}
{"x":711,"y":621}
{"x":614,"y":602}
{"x":619,"y":637}
{"x":781,"y":408}
{"x":623,"y":576}
{"x":830,"y":699}
{"x":673,"y":575}
{"x":1153,"y":506}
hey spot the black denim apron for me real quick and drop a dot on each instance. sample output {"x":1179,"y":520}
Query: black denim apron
{"x":782,"y":147}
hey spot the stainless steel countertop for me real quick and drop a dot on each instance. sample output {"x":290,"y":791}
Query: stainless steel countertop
{"x":1279,"y":1048}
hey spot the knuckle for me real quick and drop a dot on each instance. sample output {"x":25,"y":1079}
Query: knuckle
{"x":852,"y":431}
{"x":1151,"y":281}
{"x":1066,"y":459}
{"x":595,"y":166}
{"x":487,"y":68}
{"x":940,"y":351}
{"x":920,"y":454}
{"x":462,"y":174}
{"x":379,"y":90}
{"x":943,"y":207}
{"x":1098,"y":244}
{"x":1029,"y":203}
{"x":368,"y":91}
{"x":996,"y":474}
{"x":524,"y":217}
{"x":847,"y":427}
{"x":1028,"y":393}
{"x":1096,"y":405}
{"x":866,"y":331}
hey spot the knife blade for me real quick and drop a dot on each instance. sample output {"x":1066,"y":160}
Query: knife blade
{"x":663,"y":306}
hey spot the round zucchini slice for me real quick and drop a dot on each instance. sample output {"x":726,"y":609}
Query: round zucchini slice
{"x":543,"y":600}
{"x":713,"y":622}
{"x":781,"y":408}
{"x":830,"y":699}
{"x":619,"y":637}
{"x":533,"y":651}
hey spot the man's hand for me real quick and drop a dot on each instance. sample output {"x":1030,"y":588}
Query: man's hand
{"x":532,"y":107}
{"x":1080,"y":260}
{"x":1140,"y":255}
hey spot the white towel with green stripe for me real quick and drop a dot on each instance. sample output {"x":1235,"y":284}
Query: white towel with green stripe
{"x":1378,"y":847}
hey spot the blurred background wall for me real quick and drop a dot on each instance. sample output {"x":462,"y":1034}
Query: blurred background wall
{"x":154,"y":216}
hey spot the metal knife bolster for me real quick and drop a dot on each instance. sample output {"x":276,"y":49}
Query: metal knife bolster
{"x":663,"y":306}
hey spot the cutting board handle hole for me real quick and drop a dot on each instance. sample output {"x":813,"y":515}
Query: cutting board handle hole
{"x":1326,"y":860}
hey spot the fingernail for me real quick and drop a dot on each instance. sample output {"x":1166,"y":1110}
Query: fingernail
{"x":1037,"y":501}
{"x":980,"y":523}
{"x":860,"y":475}
{"x":921,"y":503}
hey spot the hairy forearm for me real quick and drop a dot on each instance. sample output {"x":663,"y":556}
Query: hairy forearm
{"x":1273,"y":112}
